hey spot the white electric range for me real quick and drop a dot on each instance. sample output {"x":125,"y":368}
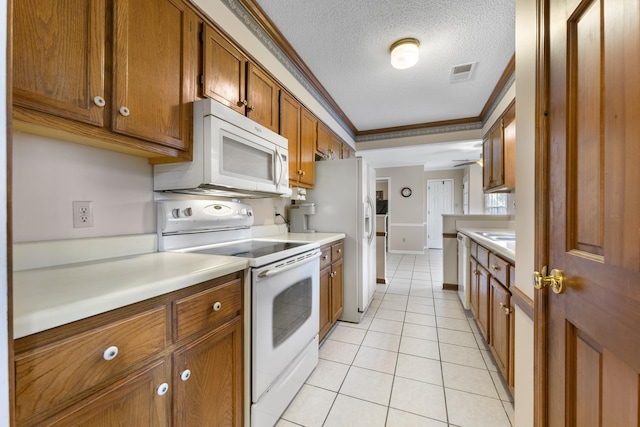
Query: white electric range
{"x":284,"y":294}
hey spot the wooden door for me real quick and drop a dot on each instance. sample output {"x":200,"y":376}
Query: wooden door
{"x":497,"y":159}
{"x":211,"y":395}
{"x":59,"y":58}
{"x":473,"y":286}
{"x":262,"y":98}
{"x":290,"y":129}
{"x":324,"y":140}
{"x":150,"y":66}
{"x":337,"y":290}
{"x":308,"y":136}
{"x":133,"y":401}
{"x":593,"y":329}
{"x":224,"y":70}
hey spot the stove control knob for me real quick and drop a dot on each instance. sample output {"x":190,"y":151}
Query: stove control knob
{"x":243,"y":211}
{"x":176,"y":213}
{"x":249,"y":213}
{"x":188,"y":212}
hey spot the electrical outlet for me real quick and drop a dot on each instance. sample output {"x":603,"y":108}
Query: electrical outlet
{"x":82,"y":215}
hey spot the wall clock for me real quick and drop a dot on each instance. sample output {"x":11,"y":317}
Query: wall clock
{"x":406,"y":192}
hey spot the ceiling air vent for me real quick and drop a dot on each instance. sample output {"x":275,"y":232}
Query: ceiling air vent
{"x":460,"y":73}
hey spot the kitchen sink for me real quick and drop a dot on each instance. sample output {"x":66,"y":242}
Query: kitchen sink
{"x":499,"y":236}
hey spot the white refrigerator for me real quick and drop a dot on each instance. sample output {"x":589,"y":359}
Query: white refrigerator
{"x":344,"y":197}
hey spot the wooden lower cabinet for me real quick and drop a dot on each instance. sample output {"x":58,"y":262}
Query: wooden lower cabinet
{"x":491,"y":277}
{"x":331,"y":286}
{"x":135,"y":366}
{"x":132,"y":401}
{"x":206,"y":371}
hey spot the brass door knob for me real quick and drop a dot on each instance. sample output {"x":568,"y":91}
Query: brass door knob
{"x":555,"y":280}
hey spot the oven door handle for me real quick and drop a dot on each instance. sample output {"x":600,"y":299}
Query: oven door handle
{"x":277,"y":270}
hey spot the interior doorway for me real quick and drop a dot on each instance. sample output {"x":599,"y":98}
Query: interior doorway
{"x":439,"y":201}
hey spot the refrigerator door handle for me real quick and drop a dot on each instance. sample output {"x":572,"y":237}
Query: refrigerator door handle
{"x":368,"y":218}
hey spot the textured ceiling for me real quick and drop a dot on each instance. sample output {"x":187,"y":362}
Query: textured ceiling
{"x":346,"y":44}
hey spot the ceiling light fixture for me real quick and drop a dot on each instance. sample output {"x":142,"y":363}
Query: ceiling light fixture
{"x":404,"y":53}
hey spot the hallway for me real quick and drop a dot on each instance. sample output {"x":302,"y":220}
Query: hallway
{"x":417,"y":359}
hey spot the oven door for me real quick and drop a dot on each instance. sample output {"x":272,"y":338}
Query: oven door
{"x":284,"y":316}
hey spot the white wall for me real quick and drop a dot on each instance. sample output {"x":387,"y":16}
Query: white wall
{"x":476,"y":195}
{"x":525,"y":220}
{"x":406,"y":214}
{"x":4,"y":327}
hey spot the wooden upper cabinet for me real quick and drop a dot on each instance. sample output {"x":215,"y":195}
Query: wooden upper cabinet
{"x":498,"y":153}
{"x":231,"y":79}
{"x":126,"y":87}
{"x":324,"y":140}
{"x":59,"y":57}
{"x":224,"y":70}
{"x":306,"y":154}
{"x":150,"y":65}
{"x":262,"y":98}
{"x":299,"y":126}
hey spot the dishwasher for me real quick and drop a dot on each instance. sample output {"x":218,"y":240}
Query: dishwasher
{"x":464,"y":276}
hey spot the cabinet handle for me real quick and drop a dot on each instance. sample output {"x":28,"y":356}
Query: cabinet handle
{"x":110,"y":353}
{"x":507,"y":310}
{"x":495,"y":267}
{"x":242,"y":103}
{"x":303,"y":173}
{"x":325,"y":257}
{"x":162,"y":389}
{"x":251,"y":108}
{"x":217,"y":306}
{"x":99,"y":101}
{"x":124,"y":111}
{"x":339,"y":251}
{"x":185,"y":375}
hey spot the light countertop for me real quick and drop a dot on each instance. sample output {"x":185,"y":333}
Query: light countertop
{"x":53,"y":295}
{"x":507,"y":249}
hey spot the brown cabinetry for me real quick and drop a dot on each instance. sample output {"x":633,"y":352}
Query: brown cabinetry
{"x":133,"y":365}
{"x":125,"y":86}
{"x":491,"y":277}
{"x":498,"y":154}
{"x":300,"y":127}
{"x":331,"y":286}
{"x":231,"y":79}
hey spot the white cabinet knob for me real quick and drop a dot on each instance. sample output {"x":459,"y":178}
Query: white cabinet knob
{"x":217,"y":306}
{"x":162,"y":389}
{"x":110,"y":353}
{"x":185,"y":375}
{"x":124,"y":111}
{"x":99,"y":101}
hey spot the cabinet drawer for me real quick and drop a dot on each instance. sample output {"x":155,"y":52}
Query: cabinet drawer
{"x":499,"y":269}
{"x":207,"y":309}
{"x":483,"y":257}
{"x":325,"y":257}
{"x":337,"y":251}
{"x":55,"y":373}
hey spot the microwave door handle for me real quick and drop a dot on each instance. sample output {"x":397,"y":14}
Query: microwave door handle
{"x":279,"y":167}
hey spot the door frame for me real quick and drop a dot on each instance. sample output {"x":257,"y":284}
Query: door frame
{"x":541,"y":217}
{"x":453,"y":192}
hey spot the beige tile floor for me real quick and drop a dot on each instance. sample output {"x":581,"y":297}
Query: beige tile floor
{"x":417,"y":359}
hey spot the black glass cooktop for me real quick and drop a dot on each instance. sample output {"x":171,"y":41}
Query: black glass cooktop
{"x":250,"y":249}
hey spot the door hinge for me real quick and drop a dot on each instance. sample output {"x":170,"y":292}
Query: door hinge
{"x":201,"y":79}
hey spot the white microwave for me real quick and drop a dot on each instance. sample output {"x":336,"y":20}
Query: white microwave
{"x":233,"y":156}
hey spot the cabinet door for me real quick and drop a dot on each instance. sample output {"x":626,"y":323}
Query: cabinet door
{"x":336,"y":291}
{"x":486,"y":163}
{"x":59,"y":57}
{"x":473,"y":283}
{"x":483,"y":302}
{"x":308,"y":136}
{"x":497,"y":162}
{"x":262,"y":98}
{"x":325,"y":301}
{"x":324,"y":140}
{"x":290,"y":129}
{"x":223,"y":71}
{"x":211,"y":394}
{"x":500,"y":325}
{"x":150,"y":65}
{"x":134,"y":401}
{"x":335,"y":152}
